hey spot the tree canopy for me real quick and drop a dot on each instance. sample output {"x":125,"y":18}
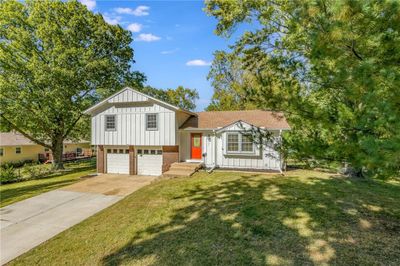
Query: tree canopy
{"x":57,"y":59}
{"x":230,"y":81}
{"x":181,"y":97}
{"x":332,"y":66}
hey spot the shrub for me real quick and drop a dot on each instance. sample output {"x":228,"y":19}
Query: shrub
{"x":8,"y":174}
{"x":17,"y":164}
{"x":31,"y":170}
{"x":34,"y":171}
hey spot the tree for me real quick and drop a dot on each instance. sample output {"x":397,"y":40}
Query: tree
{"x":333,"y":67}
{"x":184,"y":98}
{"x":57,"y":59}
{"x":230,"y":81}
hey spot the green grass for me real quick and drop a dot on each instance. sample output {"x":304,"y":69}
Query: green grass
{"x":10,"y":193}
{"x":223,"y":218}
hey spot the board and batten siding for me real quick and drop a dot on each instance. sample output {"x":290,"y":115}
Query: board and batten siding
{"x":126,"y":96}
{"x":180,"y":120}
{"x":131,"y":123}
{"x":214,"y":145}
{"x":265,"y":157}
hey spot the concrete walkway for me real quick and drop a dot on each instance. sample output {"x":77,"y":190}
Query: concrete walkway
{"x":26,"y":224}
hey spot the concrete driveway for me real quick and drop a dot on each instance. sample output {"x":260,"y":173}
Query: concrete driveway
{"x":28,"y":223}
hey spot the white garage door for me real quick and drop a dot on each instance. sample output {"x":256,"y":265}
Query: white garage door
{"x":118,"y":163}
{"x":149,"y":162}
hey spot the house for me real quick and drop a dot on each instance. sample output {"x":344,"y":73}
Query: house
{"x":14,"y":147}
{"x":138,"y":134}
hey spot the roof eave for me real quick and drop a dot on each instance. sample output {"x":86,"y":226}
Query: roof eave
{"x":196,"y":129}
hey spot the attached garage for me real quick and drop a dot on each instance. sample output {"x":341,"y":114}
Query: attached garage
{"x":117,"y":161}
{"x":149,"y":162}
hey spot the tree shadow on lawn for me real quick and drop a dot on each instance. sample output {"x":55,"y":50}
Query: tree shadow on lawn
{"x":256,"y":220}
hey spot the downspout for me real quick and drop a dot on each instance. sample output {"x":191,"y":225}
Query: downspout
{"x":280,"y":154}
{"x":215,"y":154}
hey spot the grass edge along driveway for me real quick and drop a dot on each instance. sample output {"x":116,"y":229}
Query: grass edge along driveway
{"x":305,"y":217}
{"x":14,"y":192}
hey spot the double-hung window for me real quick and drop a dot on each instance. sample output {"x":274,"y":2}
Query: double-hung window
{"x":110,"y":123}
{"x":246,"y":144}
{"x":233,"y":142}
{"x":239,"y":143}
{"x":151,"y":121}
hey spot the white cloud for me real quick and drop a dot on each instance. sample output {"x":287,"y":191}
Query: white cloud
{"x":170,"y":51}
{"x":112,"y":20}
{"x":135,"y":27}
{"x":198,"y":62}
{"x":124,"y":10}
{"x":139,"y":11}
{"x":147,"y":37}
{"x":90,"y":4}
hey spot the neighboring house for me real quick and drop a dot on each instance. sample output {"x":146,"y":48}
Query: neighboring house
{"x":14,"y":147}
{"x":138,"y":134}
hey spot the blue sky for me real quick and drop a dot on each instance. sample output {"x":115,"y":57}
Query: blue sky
{"x":173,"y":41}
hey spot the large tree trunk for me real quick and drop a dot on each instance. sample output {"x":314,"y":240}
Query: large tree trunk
{"x":57,"y":149}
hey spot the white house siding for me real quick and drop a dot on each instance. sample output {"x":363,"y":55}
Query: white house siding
{"x":131,"y":128}
{"x":209,"y":142}
{"x":181,"y":118}
{"x":264,"y":159}
{"x":184,"y":146}
{"x":128,"y":96}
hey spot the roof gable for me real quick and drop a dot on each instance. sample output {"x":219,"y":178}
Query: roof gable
{"x":238,"y":125}
{"x":128,"y":95}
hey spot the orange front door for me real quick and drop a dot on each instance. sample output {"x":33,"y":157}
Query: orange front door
{"x":195,"y":140}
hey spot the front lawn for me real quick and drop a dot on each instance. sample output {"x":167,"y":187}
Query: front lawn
{"x":10,"y":193}
{"x":223,"y":218}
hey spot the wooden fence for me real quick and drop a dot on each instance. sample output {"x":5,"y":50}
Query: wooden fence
{"x":68,"y":156}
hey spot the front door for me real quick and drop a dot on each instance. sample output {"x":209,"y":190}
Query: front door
{"x":196,"y":146}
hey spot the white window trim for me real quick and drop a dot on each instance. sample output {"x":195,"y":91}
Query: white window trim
{"x":227,"y":142}
{"x":3,"y":153}
{"x":20,"y":150}
{"x":105,"y":123}
{"x":151,"y":129}
{"x":239,"y":143}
